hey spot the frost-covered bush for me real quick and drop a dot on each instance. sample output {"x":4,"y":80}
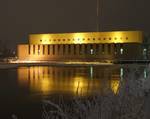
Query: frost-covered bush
{"x":128,"y":103}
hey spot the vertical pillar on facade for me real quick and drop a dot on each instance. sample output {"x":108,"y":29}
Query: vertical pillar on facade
{"x":77,"y":50}
{"x":94,"y":50}
{"x":41,"y":50}
{"x":46,"y":50}
{"x":72,"y":50}
{"x":36,"y":50}
{"x":31,"y":49}
{"x":88,"y":49}
{"x":61,"y":50}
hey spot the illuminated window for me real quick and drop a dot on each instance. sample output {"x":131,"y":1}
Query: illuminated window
{"x":121,"y":49}
{"x":145,"y":52}
{"x":91,"y":49}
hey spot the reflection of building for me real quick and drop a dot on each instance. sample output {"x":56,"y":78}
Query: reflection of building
{"x":82,"y":46}
{"x":74,"y":81}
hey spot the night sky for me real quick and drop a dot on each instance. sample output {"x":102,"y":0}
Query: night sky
{"x":22,"y":17}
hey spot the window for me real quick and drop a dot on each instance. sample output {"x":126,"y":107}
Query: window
{"x":91,"y":49}
{"x":33,"y":49}
{"x":85,"y":48}
{"x":53,"y":49}
{"x":64,"y":49}
{"x":97,"y":48}
{"x":109,"y":38}
{"x":115,"y":48}
{"x":58,"y":46}
{"x":43,"y":49}
{"x":115,"y":38}
{"x":126,"y":38}
{"x":121,"y":49}
{"x":69,"y":49}
{"x":80,"y":49}
{"x":103,"y":48}
{"x":29,"y":50}
{"x":74,"y":49}
{"x":40,"y":40}
{"x":38,"y":49}
{"x":48,"y":49}
{"x":93,"y":38}
{"x":109,"y":48}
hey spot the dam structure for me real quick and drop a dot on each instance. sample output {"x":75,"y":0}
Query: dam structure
{"x":82,"y":46}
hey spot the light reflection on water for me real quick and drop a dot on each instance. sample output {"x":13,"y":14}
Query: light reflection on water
{"x":76,"y":81}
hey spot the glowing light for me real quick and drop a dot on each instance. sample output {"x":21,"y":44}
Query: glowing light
{"x":91,"y":51}
{"x":78,"y":38}
{"x":121,"y":73}
{"x":145,"y":73}
{"x":115,"y":86}
{"x":121,"y":51}
{"x":91,"y":72}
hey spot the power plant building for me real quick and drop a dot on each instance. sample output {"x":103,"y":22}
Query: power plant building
{"x":86,"y":46}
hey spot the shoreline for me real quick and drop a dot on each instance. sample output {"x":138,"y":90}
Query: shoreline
{"x":15,"y":64}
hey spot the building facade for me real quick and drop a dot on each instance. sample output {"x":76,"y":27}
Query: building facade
{"x":88,"y":46}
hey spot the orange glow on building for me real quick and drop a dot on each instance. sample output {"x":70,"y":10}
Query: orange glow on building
{"x":82,"y":46}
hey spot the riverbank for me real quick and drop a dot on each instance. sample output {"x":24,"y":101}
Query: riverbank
{"x":15,"y":64}
{"x":5,"y":65}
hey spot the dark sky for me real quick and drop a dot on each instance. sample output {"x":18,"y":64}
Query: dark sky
{"x":21,"y":17}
